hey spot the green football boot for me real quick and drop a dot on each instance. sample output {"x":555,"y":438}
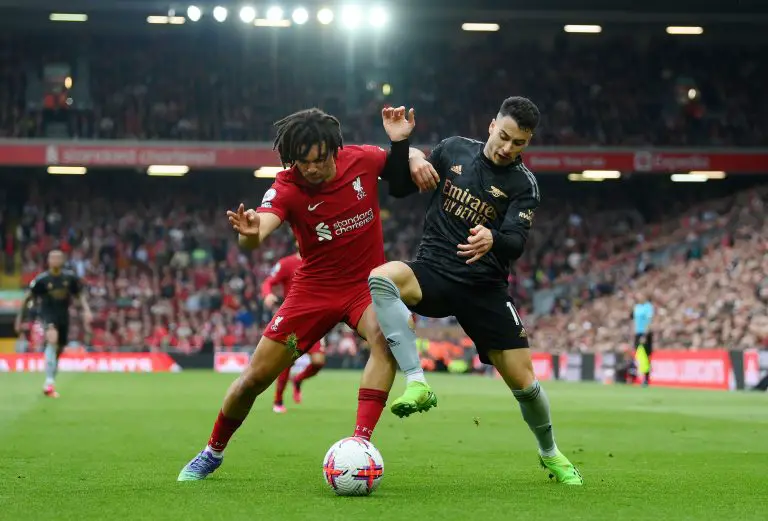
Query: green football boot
{"x":418,"y":397}
{"x":561,"y":469}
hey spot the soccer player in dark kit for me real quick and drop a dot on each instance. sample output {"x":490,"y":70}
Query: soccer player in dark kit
{"x":476,"y":224}
{"x":55,"y":289}
{"x":329,"y":195}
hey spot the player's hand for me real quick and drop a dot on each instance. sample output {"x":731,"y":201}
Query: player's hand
{"x":479,"y":243}
{"x":423,"y":174}
{"x":245,"y":222}
{"x":397,"y":126}
{"x":270,"y":301}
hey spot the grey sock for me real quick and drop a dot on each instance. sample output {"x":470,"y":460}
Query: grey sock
{"x":393,"y":317}
{"x":51,"y":363}
{"x":535,"y":408}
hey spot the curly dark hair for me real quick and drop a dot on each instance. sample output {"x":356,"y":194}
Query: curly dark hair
{"x":523,"y":111}
{"x":297,"y":133}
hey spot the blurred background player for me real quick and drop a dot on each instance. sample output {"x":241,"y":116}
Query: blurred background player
{"x":282,"y":275}
{"x":54,"y":289}
{"x":642,"y":317}
{"x":330,"y":197}
{"x":477,"y":224}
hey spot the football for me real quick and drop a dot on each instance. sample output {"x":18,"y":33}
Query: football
{"x":353,"y":467}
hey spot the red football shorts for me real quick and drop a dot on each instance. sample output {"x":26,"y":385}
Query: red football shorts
{"x":310,"y":314}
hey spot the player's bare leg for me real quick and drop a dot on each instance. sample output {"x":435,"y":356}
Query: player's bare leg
{"x":316,"y":363}
{"x":269,"y":359}
{"x":516,"y":368}
{"x":52,"y":353}
{"x":378,"y":376}
{"x":394,"y":287}
{"x":282,"y":381}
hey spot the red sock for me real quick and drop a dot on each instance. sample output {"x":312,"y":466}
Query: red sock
{"x":308,"y":372}
{"x":370,"y":403}
{"x":282,"y":381}
{"x":223,"y":430}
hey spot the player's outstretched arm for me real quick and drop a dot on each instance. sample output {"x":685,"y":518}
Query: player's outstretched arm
{"x":396,"y":170}
{"x":252,"y":228}
{"x":408,"y":172}
{"x":402,"y":178}
{"x":268,"y":223}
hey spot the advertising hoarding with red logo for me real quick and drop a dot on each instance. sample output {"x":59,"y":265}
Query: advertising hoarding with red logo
{"x":117,"y":154}
{"x":708,"y":369}
{"x":752,"y":372}
{"x":543,"y":367}
{"x":230,"y":362}
{"x":91,"y":362}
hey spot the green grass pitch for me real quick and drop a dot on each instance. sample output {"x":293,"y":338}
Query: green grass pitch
{"x":112,"y":446}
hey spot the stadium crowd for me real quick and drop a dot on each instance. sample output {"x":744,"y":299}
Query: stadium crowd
{"x":605,"y":91}
{"x":165,"y":273}
{"x":159,"y":274}
{"x":710,"y":292}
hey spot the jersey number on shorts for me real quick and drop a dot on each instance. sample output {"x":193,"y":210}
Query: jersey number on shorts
{"x":515,"y":316}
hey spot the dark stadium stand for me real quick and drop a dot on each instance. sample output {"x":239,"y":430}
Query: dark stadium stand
{"x":163,"y":270}
{"x":610,"y":91}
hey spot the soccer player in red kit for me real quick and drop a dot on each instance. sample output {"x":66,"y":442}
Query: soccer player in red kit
{"x":282,"y":275}
{"x":330,"y":197}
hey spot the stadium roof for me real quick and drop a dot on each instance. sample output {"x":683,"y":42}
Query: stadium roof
{"x":629,"y":6}
{"x":646,"y":6}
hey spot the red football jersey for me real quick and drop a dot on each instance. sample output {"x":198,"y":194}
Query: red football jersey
{"x":281,"y":275}
{"x":336,"y":224}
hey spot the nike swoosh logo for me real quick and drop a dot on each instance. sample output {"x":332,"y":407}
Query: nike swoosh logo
{"x":312,"y":207}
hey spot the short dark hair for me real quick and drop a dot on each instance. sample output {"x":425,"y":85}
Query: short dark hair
{"x":523,"y":111}
{"x":297,"y":133}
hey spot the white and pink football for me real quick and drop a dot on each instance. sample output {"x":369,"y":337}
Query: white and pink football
{"x":353,"y":467}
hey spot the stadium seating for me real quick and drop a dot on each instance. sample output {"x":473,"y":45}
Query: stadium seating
{"x":706,"y":278}
{"x":168,"y":275}
{"x":610,"y":91}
